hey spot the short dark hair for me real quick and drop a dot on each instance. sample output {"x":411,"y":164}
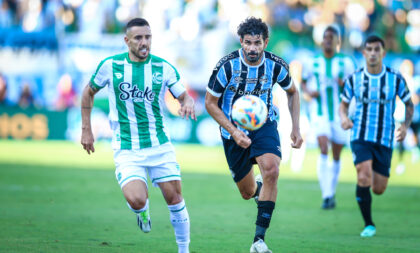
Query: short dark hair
{"x":374,"y":38}
{"x":332,"y":29}
{"x":136,"y":22}
{"x":253,"y":26}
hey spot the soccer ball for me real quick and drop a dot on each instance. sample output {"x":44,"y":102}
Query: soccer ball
{"x":249,"y":112}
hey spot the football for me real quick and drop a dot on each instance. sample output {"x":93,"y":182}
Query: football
{"x":249,"y":112}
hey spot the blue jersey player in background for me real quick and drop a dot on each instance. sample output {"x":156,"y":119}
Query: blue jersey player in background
{"x":251,"y":70}
{"x":375,"y":88}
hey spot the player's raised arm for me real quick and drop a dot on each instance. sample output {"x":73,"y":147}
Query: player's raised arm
{"x":213,"y":109}
{"x":294,"y":109}
{"x":87,"y":104}
{"x":187,"y":106}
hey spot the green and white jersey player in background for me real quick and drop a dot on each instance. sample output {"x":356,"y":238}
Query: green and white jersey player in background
{"x":322,"y":82}
{"x":136,"y":83}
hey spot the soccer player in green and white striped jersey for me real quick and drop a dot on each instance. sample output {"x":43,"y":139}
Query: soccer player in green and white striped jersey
{"x":323,"y":82}
{"x":136,"y":83}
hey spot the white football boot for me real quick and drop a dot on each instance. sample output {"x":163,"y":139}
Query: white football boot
{"x":259,"y":247}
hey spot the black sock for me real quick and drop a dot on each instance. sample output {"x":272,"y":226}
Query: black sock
{"x":265,"y":210}
{"x":364,"y":199}
{"x":257,"y":192}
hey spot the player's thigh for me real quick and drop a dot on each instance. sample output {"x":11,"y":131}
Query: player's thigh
{"x":382,"y":156}
{"x":362,"y":159}
{"x":380,"y":182}
{"x":268,"y":163}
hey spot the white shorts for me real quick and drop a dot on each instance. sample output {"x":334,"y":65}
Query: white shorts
{"x":159,"y":162}
{"x":331,"y":129}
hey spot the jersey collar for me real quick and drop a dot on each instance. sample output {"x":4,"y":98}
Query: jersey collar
{"x":373,"y":75}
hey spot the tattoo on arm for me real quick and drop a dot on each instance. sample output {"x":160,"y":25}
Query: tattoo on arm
{"x":409,"y":110}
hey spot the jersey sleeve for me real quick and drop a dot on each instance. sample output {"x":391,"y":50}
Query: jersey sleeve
{"x":283,"y":78}
{"x":172,"y":81}
{"x":102,"y":75}
{"x":402,"y":89}
{"x":218,"y":80}
{"x":348,"y":91}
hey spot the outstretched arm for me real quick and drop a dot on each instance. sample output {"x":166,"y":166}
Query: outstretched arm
{"x":402,"y":130}
{"x":213,"y":109}
{"x":187,"y":106}
{"x":87,"y":104}
{"x":294,"y":109}
{"x":346,"y":123}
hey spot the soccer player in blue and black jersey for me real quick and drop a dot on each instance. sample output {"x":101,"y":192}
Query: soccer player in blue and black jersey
{"x":251,"y":70}
{"x":375,"y":88}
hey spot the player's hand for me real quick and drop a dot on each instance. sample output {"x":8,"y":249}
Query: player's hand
{"x":241,"y":139}
{"x":187,"y":109}
{"x":401,"y":133}
{"x":296,"y":138}
{"x":87,"y":140}
{"x":346,"y":123}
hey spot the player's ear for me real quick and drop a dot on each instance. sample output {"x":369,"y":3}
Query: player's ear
{"x":126,"y":39}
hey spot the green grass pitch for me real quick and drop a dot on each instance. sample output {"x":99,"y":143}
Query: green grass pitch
{"x":56,"y":198}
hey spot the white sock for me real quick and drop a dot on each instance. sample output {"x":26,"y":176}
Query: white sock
{"x":181,"y":222}
{"x":324,"y":176}
{"x":145,"y":207}
{"x":336,"y":167}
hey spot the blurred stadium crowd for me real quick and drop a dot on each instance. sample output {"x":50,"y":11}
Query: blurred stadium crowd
{"x":49,"y":49}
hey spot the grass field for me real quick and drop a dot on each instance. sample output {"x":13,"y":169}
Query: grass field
{"x":56,"y":198}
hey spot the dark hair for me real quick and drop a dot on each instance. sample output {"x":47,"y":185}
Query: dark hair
{"x":136,"y":22}
{"x":332,"y":29}
{"x":253,"y":26}
{"x":374,"y":38}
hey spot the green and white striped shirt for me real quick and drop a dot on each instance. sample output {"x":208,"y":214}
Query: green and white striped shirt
{"x":136,"y":98}
{"x":322,"y":75}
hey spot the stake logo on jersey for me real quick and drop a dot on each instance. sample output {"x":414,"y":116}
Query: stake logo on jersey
{"x":375,"y":104}
{"x":136,"y":98}
{"x":233,"y":78}
{"x":129,"y":91}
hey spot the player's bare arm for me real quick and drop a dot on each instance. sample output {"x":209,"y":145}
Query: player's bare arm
{"x":87,"y":104}
{"x":187,"y":106}
{"x":346,"y":123}
{"x":402,"y":130}
{"x":211,"y":105}
{"x":294,"y":109}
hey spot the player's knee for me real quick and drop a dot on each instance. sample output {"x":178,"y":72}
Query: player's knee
{"x":247,"y":194}
{"x":136,"y":202}
{"x":271,"y":176}
{"x":378,"y":190}
{"x":173,"y":199}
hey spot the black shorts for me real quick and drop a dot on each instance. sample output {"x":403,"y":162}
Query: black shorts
{"x":379,"y":154}
{"x":264,"y":140}
{"x":415,"y":126}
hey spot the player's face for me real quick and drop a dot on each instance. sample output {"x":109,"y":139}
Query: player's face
{"x":253,"y":47}
{"x":139,"y":40}
{"x":374,"y":54}
{"x":330,"y":41}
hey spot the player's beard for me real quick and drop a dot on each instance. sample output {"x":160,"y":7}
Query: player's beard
{"x":139,"y":55}
{"x":252,"y":56}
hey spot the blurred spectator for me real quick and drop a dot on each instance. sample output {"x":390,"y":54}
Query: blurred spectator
{"x":66,"y":93}
{"x":3,"y":91}
{"x":26,"y":98}
{"x":6,"y":13}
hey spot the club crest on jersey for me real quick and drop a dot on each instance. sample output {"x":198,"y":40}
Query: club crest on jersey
{"x":157,"y":78}
{"x":129,"y":91}
{"x":118,"y":75}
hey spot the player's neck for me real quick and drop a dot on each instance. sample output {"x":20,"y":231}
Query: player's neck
{"x":374,"y":70}
{"x":329,"y":54}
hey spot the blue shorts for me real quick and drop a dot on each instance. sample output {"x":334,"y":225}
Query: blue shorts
{"x":264,"y":140}
{"x":379,"y":154}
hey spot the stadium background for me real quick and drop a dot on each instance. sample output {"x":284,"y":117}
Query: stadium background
{"x":49,"y":50}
